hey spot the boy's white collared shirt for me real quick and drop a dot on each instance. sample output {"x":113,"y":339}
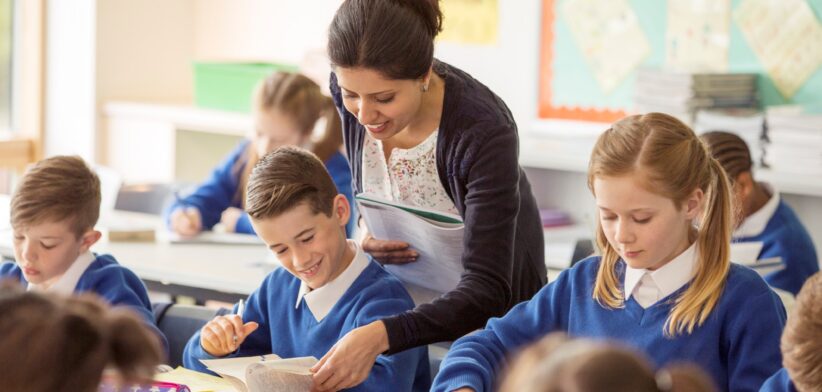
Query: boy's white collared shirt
{"x":755,"y":224}
{"x":322,"y":299}
{"x":68,"y":282}
{"x":648,"y":287}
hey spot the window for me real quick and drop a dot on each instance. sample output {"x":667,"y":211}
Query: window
{"x":6,"y":28}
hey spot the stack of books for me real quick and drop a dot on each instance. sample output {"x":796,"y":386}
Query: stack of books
{"x":683,"y":94}
{"x":749,"y":124}
{"x":794,"y":133}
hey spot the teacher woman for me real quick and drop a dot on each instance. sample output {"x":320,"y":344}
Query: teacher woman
{"x":424,"y":133}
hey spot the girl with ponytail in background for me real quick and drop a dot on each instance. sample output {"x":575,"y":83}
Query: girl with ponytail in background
{"x":287,"y":107}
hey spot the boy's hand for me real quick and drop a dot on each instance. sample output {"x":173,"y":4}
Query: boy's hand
{"x":225,"y":334}
{"x":350,"y":360}
{"x":388,"y":252}
{"x":230,"y":217}
{"x":186,"y":221}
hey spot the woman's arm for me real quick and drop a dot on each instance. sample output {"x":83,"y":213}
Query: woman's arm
{"x":491,"y":205}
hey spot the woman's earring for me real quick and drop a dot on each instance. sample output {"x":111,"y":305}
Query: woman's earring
{"x":424,"y":87}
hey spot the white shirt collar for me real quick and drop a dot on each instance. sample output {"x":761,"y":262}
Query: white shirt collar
{"x":68,"y":282}
{"x":322,"y":299}
{"x":755,"y":224}
{"x":668,"y":278}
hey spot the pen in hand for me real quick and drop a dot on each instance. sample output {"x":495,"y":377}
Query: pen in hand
{"x":240,"y":309}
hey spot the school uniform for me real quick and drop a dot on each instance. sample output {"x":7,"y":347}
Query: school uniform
{"x":101,"y":275}
{"x":782,"y":235}
{"x":295,"y":321}
{"x":779,"y":382}
{"x":219,"y":191}
{"x":738,"y":345}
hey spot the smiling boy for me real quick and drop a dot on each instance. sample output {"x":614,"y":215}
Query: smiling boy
{"x":327,"y":286}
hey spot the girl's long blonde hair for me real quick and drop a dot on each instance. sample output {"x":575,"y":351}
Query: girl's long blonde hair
{"x":673,"y":162}
{"x":299,"y":97}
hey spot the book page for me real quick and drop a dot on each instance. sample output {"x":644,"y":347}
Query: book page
{"x":439,"y":265}
{"x":235,"y":367}
{"x":235,"y":371}
{"x":263,"y":379}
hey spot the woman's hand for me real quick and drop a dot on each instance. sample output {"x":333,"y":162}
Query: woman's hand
{"x":224,"y":334}
{"x":229,"y":219}
{"x":350,"y":360}
{"x":186,"y":221}
{"x":388,"y":252}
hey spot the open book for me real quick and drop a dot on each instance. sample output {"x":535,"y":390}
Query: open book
{"x":264,"y":372}
{"x":436,"y":236}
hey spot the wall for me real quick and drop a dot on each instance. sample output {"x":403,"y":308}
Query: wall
{"x":144,"y":51}
{"x":70,"y":123}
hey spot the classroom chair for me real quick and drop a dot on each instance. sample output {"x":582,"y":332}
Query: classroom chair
{"x":179,"y":322}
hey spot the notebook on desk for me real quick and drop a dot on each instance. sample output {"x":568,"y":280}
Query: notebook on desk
{"x":211,"y":237}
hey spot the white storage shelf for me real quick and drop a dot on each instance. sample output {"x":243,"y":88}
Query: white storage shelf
{"x":543,"y":152}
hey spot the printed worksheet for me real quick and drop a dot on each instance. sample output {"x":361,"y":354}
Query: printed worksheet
{"x":786,"y":36}
{"x":609,"y":36}
{"x":697,"y":35}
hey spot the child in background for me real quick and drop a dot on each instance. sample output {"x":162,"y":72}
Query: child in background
{"x":286,"y":108}
{"x":53,"y":213}
{"x":663,"y":285}
{"x":327,"y":286}
{"x":762,"y":215}
{"x":802,"y":343}
{"x":557,"y":363}
{"x":62,"y":344}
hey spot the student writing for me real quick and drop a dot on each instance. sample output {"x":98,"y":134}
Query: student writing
{"x":287,"y":106}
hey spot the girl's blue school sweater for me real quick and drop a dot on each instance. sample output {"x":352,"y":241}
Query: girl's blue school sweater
{"x":785,"y":237}
{"x":290,"y":331}
{"x":219,"y":191}
{"x":116,"y":284}
{"x":738,"y":345}
{"x":779,"y":382}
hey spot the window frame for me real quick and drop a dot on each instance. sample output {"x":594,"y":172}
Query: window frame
{"x":23,"y":144}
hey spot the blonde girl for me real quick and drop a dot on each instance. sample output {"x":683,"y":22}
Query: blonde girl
{"x":664,"y":283}
{"x":287,"y":107}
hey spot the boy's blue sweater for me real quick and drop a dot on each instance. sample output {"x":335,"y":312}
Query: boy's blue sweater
{"x":785,"y":237}
{"x":738,"y":345}
{"x":116,"y":284}
{"x":294,"y":332}
{"x":219,"y":191}
{"x":779,"y":382}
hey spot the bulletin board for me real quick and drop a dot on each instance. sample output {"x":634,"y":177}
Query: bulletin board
{"x":570,"y":87}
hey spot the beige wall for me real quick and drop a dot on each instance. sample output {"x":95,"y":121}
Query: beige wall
{"x":261,"y":30}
